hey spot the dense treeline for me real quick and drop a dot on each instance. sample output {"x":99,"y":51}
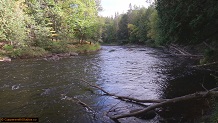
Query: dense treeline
{"x":138,"y":25}
{"x":165,"y":22}
{"x":188,"y":21}
{"x":47,"y":25}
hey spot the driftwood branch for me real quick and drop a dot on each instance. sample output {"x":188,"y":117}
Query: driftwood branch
{"x":77,"y":101}
{"x":179,"y":50}
{"x":84,"y":104}
{"x":183,"y":52}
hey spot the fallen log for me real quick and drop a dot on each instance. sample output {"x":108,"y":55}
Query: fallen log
{"x":180,"y":50}
{"x":183,"y":53}
{"x":187,"y":55}
{"x":157,"y":103}
{"x":167,"y":102}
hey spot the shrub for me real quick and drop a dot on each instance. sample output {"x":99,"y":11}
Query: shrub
{"x":87,"y":47}
{"x":58,"y":47}
{"x":8,"y":47}
{"x":28,"y":52}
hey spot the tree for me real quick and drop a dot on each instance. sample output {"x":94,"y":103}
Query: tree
{"x":187,"y":22}
{"x":12,"y":22}
{"x":153,"y":26}
{"x":109,"y":30}
{"x":80,"y":17}
{"x":123,"y":28}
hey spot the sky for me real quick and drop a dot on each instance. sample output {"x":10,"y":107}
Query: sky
{"x":121,"y":6}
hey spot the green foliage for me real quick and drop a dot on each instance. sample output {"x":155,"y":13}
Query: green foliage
{"x":41,"y":37}
{"x":153,"y":26}
{"x":48,"y":24}
{"x":7,"y":47}
{"x":86,"y":48}
{"x":58,"y":47}
{"x":109,"y":31}
{"x":123,"y":28}
{"x":12,"y":22}
{"x":188,"y":22}
{"x":28,"y":52}
{"x":83,"y":22}
{"x":133,"y":31}
{"x":138,"y":25}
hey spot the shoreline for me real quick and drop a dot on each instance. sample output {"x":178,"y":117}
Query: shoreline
{"x":80,"y":49}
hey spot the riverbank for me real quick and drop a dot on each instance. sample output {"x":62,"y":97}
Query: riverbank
{"x":60,"y":50}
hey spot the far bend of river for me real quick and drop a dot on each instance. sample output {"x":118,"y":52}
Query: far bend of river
{"x":50,"y":90}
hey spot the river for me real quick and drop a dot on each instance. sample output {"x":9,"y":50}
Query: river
{"x":50,"y":90}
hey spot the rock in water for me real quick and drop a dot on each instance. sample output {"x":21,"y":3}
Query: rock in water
{"x":5,"y":59}
{"x":15,"y":87}
{"x":73,"y":54}
{"x":147,"y":116}
{"x":112,"y":50}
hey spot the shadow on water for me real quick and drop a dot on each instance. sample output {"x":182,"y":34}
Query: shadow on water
{"x":50,"y":89}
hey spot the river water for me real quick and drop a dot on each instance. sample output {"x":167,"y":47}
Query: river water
{"x":50,"y":90}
